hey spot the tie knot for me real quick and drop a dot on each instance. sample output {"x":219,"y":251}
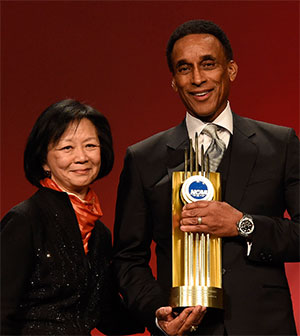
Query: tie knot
{"x":211,"y":131}
{"x":216,"y":148}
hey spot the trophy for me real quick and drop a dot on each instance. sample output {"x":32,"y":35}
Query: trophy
{"x":196,"y":257}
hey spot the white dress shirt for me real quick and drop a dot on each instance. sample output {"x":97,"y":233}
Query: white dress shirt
{"x":224,"y":120}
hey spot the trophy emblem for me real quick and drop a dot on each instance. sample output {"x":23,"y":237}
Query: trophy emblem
{"x":196,"y":257}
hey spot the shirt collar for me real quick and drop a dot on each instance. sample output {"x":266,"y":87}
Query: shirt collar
{"x":224,"y":120}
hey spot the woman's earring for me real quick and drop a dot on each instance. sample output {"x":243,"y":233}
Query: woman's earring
{"x":47,"y":173}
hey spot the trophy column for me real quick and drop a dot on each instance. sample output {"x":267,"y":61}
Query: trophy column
{"x":196,"y":257}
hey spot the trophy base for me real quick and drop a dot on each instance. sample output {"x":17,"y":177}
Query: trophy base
{"x":188,"y":296}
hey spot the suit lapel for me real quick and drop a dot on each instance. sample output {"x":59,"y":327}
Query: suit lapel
{"x":176,"y":143}
{"x":242,"y":160}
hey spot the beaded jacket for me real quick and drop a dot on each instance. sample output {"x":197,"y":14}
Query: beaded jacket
{"x":49,"y":286}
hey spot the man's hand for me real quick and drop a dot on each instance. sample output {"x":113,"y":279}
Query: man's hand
{"x":217,"y":218}
{"x":181,"y":324}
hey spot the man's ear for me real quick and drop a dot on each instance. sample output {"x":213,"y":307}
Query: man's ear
{"x":173,"y":84}
{"x":232,"y":70}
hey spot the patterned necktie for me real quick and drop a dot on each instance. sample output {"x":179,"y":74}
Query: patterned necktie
{"x":216,"y":148}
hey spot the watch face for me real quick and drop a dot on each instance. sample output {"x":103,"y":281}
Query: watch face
{"x":247,"y":226}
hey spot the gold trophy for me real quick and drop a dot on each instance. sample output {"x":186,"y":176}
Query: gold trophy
{"x":196,"y":257}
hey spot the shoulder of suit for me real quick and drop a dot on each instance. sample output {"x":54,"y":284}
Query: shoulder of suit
{"x":21,"y":215}
{"x":261,"y":126}
{"x":156,"y":140}
{"x":25,"y":207}
{"x":43,"y":201}
{"x":42,"y":198}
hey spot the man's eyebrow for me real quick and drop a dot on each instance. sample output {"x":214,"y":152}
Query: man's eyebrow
{"x":208,"y":57}
{"x":181,"y":62}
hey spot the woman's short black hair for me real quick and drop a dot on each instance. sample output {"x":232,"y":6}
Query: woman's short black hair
{"x":198,"y":27}
{"x":49,"y":128}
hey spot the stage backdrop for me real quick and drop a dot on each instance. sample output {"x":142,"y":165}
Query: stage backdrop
{"x":111,"y":55}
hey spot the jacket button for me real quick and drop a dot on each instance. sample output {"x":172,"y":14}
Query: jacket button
{"x":262,"y":256}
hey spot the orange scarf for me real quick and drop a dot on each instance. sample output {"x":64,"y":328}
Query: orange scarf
{"x":87,"y":211}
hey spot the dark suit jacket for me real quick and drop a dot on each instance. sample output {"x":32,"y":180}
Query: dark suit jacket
{"x":260,"y":176}
{"x":48,"y":285}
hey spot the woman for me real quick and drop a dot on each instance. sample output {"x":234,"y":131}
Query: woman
{"x":55,"y":251}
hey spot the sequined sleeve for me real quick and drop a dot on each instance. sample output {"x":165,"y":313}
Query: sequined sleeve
{"x":16,"y":264}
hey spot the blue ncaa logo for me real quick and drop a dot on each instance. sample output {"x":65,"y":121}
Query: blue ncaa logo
{"x":198,"y":190}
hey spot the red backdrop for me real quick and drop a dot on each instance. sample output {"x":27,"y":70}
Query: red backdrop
{"x":111,"y":54}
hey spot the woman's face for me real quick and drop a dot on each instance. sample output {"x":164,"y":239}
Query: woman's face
{"x":74,"y":162}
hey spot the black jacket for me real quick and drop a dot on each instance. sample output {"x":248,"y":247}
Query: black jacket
{"x":49,"y":286}
{"x":260,"y":176}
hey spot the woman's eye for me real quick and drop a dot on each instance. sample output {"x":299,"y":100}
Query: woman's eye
{"x":66,"y":148}
{"x":92,"y":146}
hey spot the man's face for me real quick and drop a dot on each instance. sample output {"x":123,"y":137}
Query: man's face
{"x":202,"y":75}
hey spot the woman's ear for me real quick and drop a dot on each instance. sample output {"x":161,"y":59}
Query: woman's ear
{"x":47,"y":170}
{"x":46,"y":167}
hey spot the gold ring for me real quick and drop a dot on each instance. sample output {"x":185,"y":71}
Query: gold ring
{"x":193,"y":328}
{"x":199,"y":220}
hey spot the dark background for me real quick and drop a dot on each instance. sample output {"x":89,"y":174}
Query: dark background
{"x":111,"y":55}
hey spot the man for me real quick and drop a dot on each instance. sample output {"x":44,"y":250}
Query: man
{"x":260,"y":180}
